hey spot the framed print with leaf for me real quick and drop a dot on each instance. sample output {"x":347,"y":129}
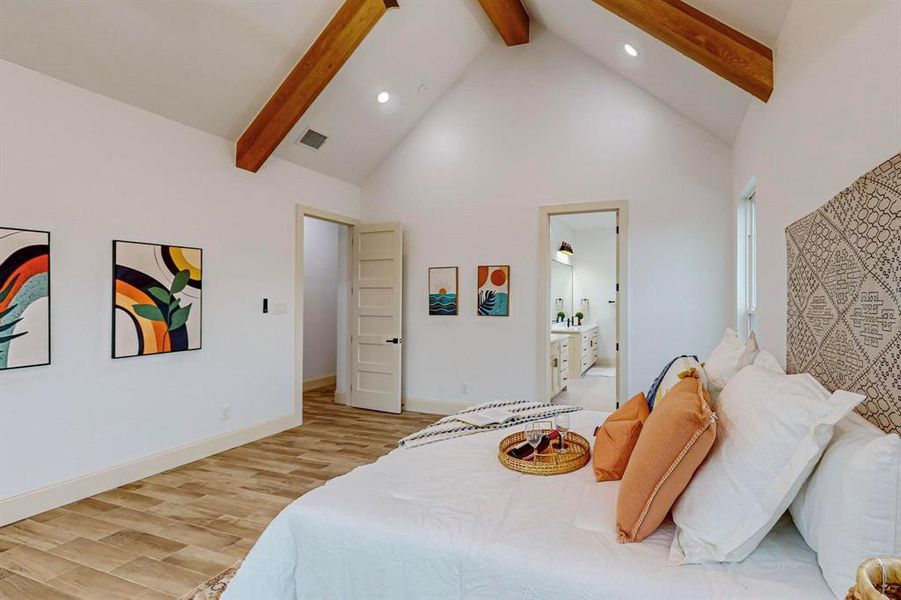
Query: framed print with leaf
{"x":24,"y":298}
{"x":157,"y":298}
{"x":494,"y":291}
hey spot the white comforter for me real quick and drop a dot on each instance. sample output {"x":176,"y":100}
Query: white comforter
{"x":448,"y":521}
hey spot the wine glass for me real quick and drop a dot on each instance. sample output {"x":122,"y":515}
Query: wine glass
{"x":533,"y":437}
{"x":561,"y":422}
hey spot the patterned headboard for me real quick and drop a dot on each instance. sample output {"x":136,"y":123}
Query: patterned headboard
{"x":844,"y":293}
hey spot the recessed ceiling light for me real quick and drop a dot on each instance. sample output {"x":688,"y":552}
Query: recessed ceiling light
{"x":630,"y":49}
{"x":383,"y":97}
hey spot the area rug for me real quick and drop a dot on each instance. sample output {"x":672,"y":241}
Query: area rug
{"x":212,"y":589}
{"x":601,"y":372}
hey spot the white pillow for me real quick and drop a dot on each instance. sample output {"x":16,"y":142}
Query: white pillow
{"x":850,"y":508}
{"x":727,"y":359}
{"x":768,"y":361}
{"x":771,"y":431}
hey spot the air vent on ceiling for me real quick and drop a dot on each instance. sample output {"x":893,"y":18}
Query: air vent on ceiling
{"x":312,"y":139}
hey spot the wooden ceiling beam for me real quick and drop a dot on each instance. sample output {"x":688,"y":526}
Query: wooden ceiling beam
{"x":510,"y":19}
{"x":729,"y":53}
{"x":329,"y":52}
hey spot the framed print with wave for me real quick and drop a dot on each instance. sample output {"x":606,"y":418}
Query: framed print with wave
{"x":157,"y":298}
{"x":443,"y":291}
{"x":24,"y":298}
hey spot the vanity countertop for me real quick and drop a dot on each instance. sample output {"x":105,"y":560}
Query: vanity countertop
{"x":562,"y":328}
{"x":558,"y":337}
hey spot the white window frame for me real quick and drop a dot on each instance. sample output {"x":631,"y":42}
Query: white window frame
{"x":747,"y":259}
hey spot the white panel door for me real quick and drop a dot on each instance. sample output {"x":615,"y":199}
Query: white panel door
{"x":376,"y":317}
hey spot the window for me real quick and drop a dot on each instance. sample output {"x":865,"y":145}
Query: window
{"x":747,"y":260}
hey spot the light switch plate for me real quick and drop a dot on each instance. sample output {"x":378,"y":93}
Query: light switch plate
{"x":279,"y":308}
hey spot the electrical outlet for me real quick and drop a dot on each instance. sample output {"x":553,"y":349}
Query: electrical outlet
{"x":464,"y":388}
{"x":226,"y":412}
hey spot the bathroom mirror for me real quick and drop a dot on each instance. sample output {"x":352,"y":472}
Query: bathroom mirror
{"x":561,"y":289}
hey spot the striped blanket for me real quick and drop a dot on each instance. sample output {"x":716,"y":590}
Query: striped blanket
{"x":449,"y":427}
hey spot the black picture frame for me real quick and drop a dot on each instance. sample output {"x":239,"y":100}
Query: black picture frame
{"x":114,"y":307}
{"x":49,"y":298}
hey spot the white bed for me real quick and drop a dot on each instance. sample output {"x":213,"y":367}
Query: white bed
{"x":449,"y":521}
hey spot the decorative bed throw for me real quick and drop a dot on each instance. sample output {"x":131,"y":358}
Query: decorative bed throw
{"x":451,"y":427}
{"x":686,"y":365}
{"x":844,"y":293}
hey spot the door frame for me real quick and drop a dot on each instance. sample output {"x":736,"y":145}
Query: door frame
{"x":621,"y":208}
{"x":300,"y":213}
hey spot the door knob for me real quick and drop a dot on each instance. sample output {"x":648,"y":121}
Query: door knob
{"x":393,"y":341}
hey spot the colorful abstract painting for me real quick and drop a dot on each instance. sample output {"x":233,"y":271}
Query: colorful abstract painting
{"x":24,"y":298}
{"x":494,"y":291}
{"x":443,"y":291}
{"x":157,"y":298}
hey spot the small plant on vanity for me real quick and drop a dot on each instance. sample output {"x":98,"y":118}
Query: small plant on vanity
{"x":579,"y":317}
{"x":561,"y":316}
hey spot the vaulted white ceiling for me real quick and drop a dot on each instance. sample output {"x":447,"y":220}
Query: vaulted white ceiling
{"x":212,"y":64}
{"x":691,"y":89}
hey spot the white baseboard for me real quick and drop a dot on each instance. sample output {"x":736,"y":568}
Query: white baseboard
{"x":340,"y":397}
{"x":433,"y":407}
{"x":53,"y":496}
{"x":319,"y":382}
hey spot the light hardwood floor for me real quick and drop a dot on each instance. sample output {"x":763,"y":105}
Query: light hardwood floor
{"x":162,"y":536}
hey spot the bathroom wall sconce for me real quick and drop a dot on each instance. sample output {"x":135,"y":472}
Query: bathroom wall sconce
{"x":566,"y":248}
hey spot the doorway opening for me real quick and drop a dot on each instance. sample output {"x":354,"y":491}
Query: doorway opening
{"x":582,"y":312}
{"x":326,"y":290}
{"x":349,"y":337}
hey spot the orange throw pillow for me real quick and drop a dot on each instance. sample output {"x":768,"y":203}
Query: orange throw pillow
{"x":674,"y":442}
{"x":615,"y":439}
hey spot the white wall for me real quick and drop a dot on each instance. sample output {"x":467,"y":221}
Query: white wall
{"x":541,"y":124}
{"x":835,"y":113}
{"x":320,"y":297}
{"x":595,"y":279}
{"x":90,"y":169}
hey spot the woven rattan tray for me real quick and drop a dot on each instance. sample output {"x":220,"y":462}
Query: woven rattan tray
{"x":550,"y":462}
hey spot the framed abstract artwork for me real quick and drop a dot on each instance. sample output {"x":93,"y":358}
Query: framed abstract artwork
{"x":157,"y":298}
{"x":24,"y":298}
{"x":494,"y":291}
{"x":443,"y":284}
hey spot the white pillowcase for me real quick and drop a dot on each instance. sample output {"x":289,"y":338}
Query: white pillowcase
{"x":768,"y":361}
{"x":850,"y":508}
{"x":771,"y":431}
{"x":727,"y":359}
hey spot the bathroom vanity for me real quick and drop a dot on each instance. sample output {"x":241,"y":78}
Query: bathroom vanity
{"x":581,"y":346}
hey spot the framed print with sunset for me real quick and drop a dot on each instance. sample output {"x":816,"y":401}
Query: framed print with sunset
{"x":494,"y":291}
{"x":443,"y":291}
{"x":24,"y":298}
{"x":157,"y":298}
